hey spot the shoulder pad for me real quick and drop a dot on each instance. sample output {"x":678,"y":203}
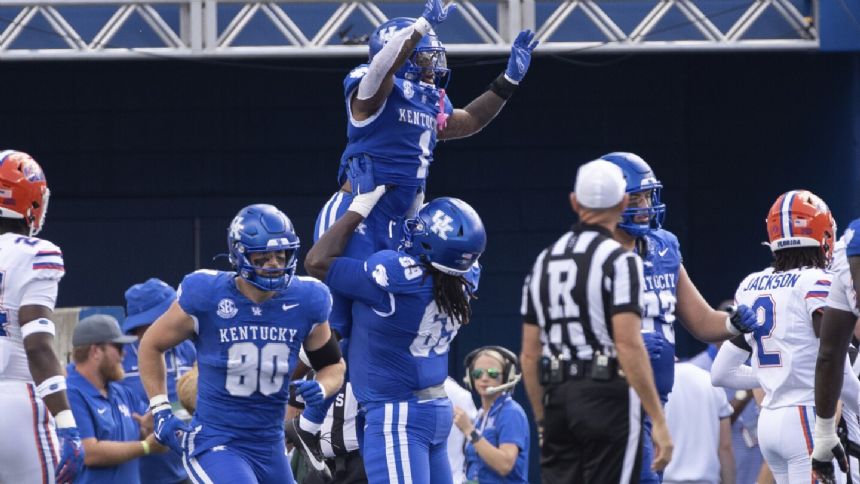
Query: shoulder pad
{"x":47,"y":258}
{"x":393,"y":271}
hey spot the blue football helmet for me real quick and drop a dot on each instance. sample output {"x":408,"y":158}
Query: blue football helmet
{"x":429,"y":54}
{"x":446,"y":233}
{"x":640,"y":178}
{"x":262,"y":228}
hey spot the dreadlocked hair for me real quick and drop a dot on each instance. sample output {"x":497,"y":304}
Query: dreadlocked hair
{"x":452,"y":294}
{"x":788,"y":259}
{"x":14,"y":225}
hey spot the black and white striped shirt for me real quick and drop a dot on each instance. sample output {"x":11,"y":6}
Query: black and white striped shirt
{"x":576,"y":286}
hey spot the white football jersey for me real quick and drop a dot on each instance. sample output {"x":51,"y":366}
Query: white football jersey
{"x":784,"y":346}
{"x":30,"y":272}
{"x":842,"y":295}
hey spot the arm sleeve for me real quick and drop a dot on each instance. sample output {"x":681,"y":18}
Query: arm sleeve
{"x":514,"y":428}
{"x":382,"y":63}
{"x":83,"y":417}
{"x":348,"y":278}
{"x":729,"y":369}
{"x":627,"y":283}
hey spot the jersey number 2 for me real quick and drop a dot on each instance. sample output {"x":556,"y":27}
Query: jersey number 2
{"x":250,"y":369}
{"x":764,"y":313}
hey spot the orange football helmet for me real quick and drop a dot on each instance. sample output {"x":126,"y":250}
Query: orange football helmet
{"x":799,"y":218}
{"x":23,"y":190}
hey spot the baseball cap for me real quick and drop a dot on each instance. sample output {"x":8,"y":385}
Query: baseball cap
{"x":99,"y":328}
{"x":145,"y":302}
{"x":599,"y":184}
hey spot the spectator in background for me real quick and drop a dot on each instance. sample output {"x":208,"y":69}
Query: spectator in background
{"x":498,"y":447}
{"x":107,"y":412}
{"x":462,"y":399}
{"x":699,"y":420}
{"x":145,"y":302}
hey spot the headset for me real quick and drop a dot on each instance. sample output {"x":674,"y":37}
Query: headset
{"x":510,"y":369}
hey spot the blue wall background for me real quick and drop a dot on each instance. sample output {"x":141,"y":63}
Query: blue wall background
{"x":148,"y":161}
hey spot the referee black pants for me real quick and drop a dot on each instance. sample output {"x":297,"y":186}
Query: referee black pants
{"x":593,"y":433}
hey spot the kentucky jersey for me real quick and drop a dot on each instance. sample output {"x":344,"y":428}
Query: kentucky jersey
{"x":400,"y":339}
{"x":246,"y":352}
{"x":661,"y":266}
{"x":401,"y":136}
{"x":842,"y":295}
{"x":30,"y":272}
{"x":784,"y":345}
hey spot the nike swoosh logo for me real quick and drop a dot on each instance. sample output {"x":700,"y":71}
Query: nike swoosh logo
{"x":318,"y":464}
{"x":663,"y":252}
{"x":102,"y":410}
{"x":287,"y":307}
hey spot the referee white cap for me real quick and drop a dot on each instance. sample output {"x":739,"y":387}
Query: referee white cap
{"x":599,"y":184}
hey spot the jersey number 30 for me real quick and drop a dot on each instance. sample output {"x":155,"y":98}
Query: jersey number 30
{"x":250,"y":369}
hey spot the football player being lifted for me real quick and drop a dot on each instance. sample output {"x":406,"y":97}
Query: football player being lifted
{"x":397,"y":108}
{"x":668,"y":289}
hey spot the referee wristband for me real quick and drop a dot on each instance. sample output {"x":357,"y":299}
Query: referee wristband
{"x":502,"y":87}
{"x":145,"y":446}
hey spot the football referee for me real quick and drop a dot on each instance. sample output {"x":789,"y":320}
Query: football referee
{"x":585,"y":367}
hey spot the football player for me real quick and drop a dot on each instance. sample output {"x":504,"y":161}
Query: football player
{"x":668,"y":288}
{"x":397,"y":108}
{"x":34,"y":409}
{"x":248,"y":327}
{"x":788,"y":300}
{"x":408,"y":305}
{"x":837,"y":325}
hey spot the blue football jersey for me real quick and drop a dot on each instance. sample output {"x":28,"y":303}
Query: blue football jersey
{"x":852,"y":238}
{"x":401,"y":136}
{"x":661,"y":264}
{"x":246,"y":351}
{"x":399,"y":341}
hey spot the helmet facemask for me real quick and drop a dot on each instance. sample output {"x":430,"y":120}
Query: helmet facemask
{"x":647,"y":214}
{"x":429,"y":65}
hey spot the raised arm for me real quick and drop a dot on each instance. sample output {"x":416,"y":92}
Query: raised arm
{"x":378,"y":82}
{"x":478,"y":113}
{"x":333,"y":242}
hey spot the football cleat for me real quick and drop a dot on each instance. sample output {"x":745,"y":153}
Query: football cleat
{"x":309,"y":445}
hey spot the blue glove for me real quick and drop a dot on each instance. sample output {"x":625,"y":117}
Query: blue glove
{"x":71,"y":454}
{"x":169,"y":429}
{"x":742,"y":319}
{"x":436,"y":13}
{"x":311,"y":391}
{"x":359,"y":172}
{"x":521,"y":55}
{"x":653,"y":343}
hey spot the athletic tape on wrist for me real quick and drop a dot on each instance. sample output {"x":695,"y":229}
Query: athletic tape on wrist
{"x":731,"y":327}
{"x":159,"y":403}
{"x":54,"y":384}
{"x":41,"y":325}
{"x":65,"y":419}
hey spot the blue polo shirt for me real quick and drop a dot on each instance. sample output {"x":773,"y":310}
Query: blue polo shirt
{"x":505,"y":423}
{"x":160,"y":468}
{"x":105,"y":418}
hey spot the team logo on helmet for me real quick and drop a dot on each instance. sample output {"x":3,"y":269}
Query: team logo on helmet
{"x":441,"y":224}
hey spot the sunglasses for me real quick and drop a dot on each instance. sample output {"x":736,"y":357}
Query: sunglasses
{"x":491,"y":372}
